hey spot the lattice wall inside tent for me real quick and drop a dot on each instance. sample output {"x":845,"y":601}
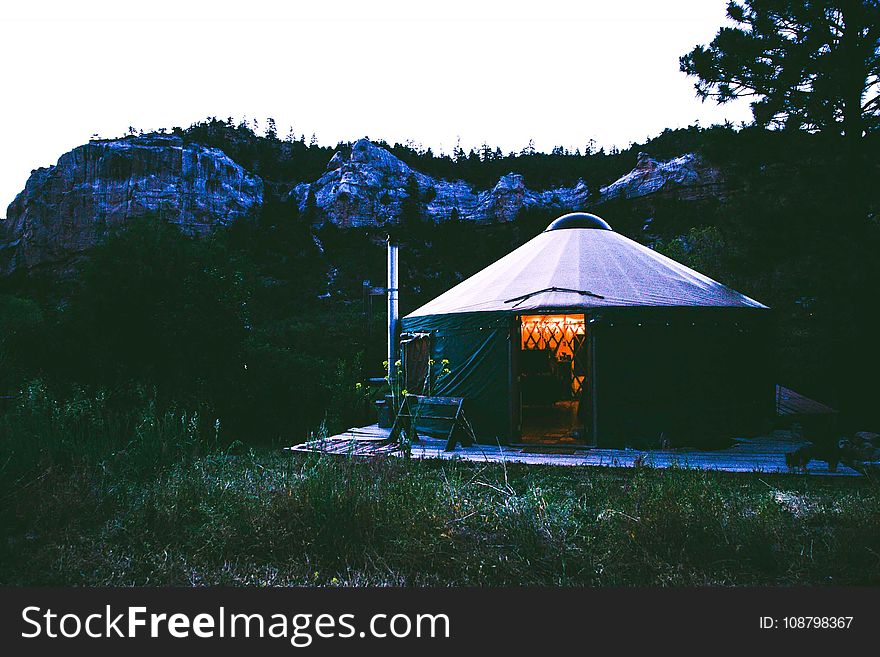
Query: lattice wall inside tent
{"x":563,"y":335}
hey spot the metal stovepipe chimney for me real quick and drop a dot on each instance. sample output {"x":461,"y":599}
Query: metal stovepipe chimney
{"x":392,"y":307}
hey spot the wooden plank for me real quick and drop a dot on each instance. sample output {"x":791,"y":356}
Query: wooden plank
{"x":421,"y":416}
{"x":439,"y":401}
{"x":450,"y":439}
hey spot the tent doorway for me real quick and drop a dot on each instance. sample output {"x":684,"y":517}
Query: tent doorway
{"x":552,"y":375}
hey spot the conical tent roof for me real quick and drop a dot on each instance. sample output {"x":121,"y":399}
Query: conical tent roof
{"x":578,"y":262}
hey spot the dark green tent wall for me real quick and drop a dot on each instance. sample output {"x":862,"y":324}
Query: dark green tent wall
{"x":682,"y":376}
{"x":687,"y":375}
{"x":477,"y":346}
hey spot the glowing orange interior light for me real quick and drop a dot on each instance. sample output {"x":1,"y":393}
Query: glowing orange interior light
{"x":558,"y":334}
{"x":554,"y":332}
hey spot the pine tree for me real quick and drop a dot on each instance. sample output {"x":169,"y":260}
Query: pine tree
{"x":411,"y":208}
{"x":310,"y":209}
{"x":812,"y":64}
{"x":529,"y":149}
{"x":458,"y":153}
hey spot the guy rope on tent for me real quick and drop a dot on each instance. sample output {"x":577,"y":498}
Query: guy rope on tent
{"x":438,"y":410}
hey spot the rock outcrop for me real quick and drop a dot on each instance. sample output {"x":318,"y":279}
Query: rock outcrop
{"x":367,"y":187}
{"x":67,"y":208}
{"x":686,"y":177}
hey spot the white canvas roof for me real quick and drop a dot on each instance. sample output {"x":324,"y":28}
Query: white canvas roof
{"x":583,"y":268}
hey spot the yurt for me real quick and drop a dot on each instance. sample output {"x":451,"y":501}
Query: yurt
{"x":582,"y":335}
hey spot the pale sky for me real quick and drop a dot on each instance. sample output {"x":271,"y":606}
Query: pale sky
{"x":503,"y":72}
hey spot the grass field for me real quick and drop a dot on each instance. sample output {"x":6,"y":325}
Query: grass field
{"x":92,"y":497}
{"x":264,"y":518}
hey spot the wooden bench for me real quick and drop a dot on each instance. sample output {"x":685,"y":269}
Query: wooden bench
{"x":440,"y":410}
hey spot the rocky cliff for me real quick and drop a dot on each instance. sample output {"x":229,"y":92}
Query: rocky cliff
{"x":67,"y":208}
{"x":367,"y":187}
{"x":686,"y":178}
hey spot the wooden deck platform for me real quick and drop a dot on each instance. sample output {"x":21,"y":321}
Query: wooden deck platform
{"x":766,"y":454}
{"x":762,"y":454}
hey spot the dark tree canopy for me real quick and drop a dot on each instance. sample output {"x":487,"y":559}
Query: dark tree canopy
{"x":810,"y":64}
